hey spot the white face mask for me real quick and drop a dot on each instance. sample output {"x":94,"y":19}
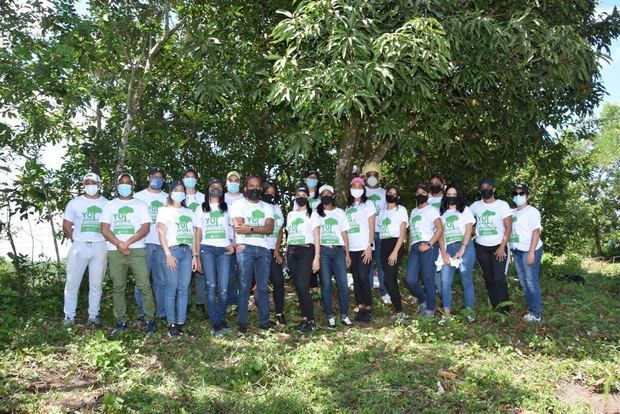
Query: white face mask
{"x":357,"y":192}
{"x":91,"y":189}
{"x":372,"y":181}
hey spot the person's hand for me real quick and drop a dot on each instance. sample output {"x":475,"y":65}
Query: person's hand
{"x":347,"y":260}
{"x":446,"y":258}
{"x":460,"y":253}
{"x":196,"y":265}
{"x":367,"y":255}
{"x":278,"y":256}
{"x":531,"y":259}
{"x":171,"y":261}
{"x":230,"y":249}
{"x":422,"y":247}
{"x":316,"y":265}
{"x":242,"y":228}
{"x":500,"y":253}
{"x":122,"y":246}
{"x":393,"y":258}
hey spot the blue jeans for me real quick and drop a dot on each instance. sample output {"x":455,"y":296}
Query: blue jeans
{"x":466,"y":272}
{"x":154,"y":254}
{"x":216,"y":268}
{"x":177,"y":284}
{"x":422,"y":264}
{"x":233,"y":281}
{"x":528,"y":277}
{"x":253,"y":261}
{"x":376,"y":260}
{"x":333,"y":262}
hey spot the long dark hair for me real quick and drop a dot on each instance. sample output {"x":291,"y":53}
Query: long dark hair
{"x":397,"y":188}
{"x":320,"y":209}
{"x":304,"y":189}
{"x":206,"y":206}
{"x":265,"y":186}
{"x":460,"y":200}
{"x":174,"y":185}
{"x":351,"y":199}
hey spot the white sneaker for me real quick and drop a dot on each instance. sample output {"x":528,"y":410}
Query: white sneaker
{"x":346,"y":321}
{"x":531,"y":318}
{"x":331,"y":322}
{"x":444,"y":320}
{"x":387,"y":300}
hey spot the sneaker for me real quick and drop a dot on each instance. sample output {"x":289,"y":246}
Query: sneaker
{"x":140,"y":318}
{"x":344,"y":319}
{"x":243,"y":328}
{"x":94,"y":322}
{"x":119,"y":328}
{"x":469,"y":314}
{"x":422,"y":308}
{"x":301,"y":325}
{"x":367,"y":317}
{"x":444,"y":320}
{"x":308,"y":327}
{"x":531,"y":318}
{"x":268,"y":326}
{"x":359,"y":316}
{"x":427,"y":313}
{"x":150,"y":327}
{"x":68,"y":323}
{"x":387,"y":300}
{"x":331,"y":322}
{"x":173,"y":331}
{"x":281,"y":319}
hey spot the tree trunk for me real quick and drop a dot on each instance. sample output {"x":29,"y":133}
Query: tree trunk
{"x":597,"y":240}
{"x":16,"y":258}
{"x":346,"y":153}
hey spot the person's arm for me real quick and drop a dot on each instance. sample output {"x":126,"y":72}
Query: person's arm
{"x":345,"y":238}
{"x":436,"y":236}
{"x":67,"y":229}
{"x":500,"y":253}
{"x":140,"y":234}
{"x":277,"y":251}
{"x":110,"y":237}
{"x":443,"y":252}
{"x":196,"y":249}
{"x":393,"y":258}
{"x":469,"y":230}
{"x":242,"y":228}
{"x":316,"y":262}
{"x":367,"y":255}
{"x":171,"y":261}
{"x":531,"y":257}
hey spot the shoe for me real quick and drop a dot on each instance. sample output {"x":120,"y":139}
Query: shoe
{"x":344,"y":319}
{"x":399,"y":318}
{"x":281,"y":319}
{"x":140,"y":318}
{"x":268,"y":326}
{"x":367,"y":317}
{"x":387,"y":300}
{"x":308,"y":327}
{"x":243,"y":328}
{"x":444,"y":320}
{"x":150,"y":327}
{"x":359,"y":316}
{"x":531,"y":318}
{"x":422,"y":308}
{"x":94,"y":322}
{"x":331,"y":322}
{"x":427,"y":313}
{"x":119,"y":328}
{"x":68,"y":323}
{"x":301,"y":325}
{"x":173,"y":331}
{"x":469,"y":314}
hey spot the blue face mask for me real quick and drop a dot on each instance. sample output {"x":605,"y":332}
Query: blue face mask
{"x":177,"y":196}
{"x":312,"y":182}
{"x":519,"y":200}
{"x":190,"y":182}
{"x":232,"y":187}
{"x":124,"y":190}
{"x":156,"y":183}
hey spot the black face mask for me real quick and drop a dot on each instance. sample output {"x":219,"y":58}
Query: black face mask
{"x":268,"y":198}
{"x":486,"y":193}
{"x":301,"y":201}
{"x":421,"y":199}
{"x":327,"y":200}
{"x":215,"y":192}
{"x":451,"y":201}
{"x":253,"y":194}
{"x":391,"y":198}
{"x":435,"y":189}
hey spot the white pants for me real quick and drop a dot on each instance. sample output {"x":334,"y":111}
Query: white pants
{"x":82,"y":255}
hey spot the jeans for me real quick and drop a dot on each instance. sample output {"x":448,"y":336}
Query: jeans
{"x":216,"y":268}
{"x":119,"y":266}
{"x":376,"y":261}
{"x":276,"y":276}
{"x":233,"y":281}
{"x":494,"y":274}
{"x":333,"y":263}
{"x":200,"y":287}
{"x":253,"y":261}
{"x":93,"y":255}
{"x":361,"y":286}
{"x":391,"y":272}
{"x":154,"y":255}
{"x":528,"y":277}
{"x":299,"y":259}
{"x":422,"y":264}
{"x":466,"y":272}
{"x":177,"y":284}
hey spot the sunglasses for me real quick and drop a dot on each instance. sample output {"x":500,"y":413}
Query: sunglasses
{"x":515,"y":193}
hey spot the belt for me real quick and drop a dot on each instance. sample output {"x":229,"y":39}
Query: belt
{"x":332,"y":246}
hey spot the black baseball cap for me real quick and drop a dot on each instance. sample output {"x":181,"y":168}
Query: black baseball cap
{"x":155,"y":170}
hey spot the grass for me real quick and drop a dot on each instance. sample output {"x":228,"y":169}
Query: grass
{"x":495,"y":364}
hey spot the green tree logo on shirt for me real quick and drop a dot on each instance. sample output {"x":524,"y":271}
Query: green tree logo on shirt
{"x":328,"y":234}
{"x":121,"y":224}
{"x":193,"y":206}
{"x":452,"y":233}
{"x":91,"y":212}
{"x":328,"y":225}
{"x":182,"y":223}
{"x":514,"y":219}
{"x":90,"y":220}
{"x":485,"y":226}
{"x":353,"y":226}
{"x":256,"y":217}
{"x":375,"y":198}
{"x":451,"y":222}
{"x":416,"y":234}
{"x":121,"y":214}
{"x":385,"y":224}
{"x":294,"y":227}
{"x":213,"y":227}
{"x":184,"y":230}
{"x":155,"y":205}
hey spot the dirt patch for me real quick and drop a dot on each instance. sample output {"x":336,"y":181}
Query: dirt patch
{"x":573,"y":393}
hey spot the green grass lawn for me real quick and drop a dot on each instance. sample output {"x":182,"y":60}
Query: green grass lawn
{"x":495,"y":364}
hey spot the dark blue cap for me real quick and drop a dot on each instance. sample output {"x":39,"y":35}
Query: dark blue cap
{"x":486,"y":181}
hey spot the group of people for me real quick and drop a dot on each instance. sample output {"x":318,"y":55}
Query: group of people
{"x":231,"y":238}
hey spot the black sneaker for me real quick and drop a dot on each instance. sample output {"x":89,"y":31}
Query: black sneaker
{"x":367,"y":318}
{"x":150,"y":327}
{"x":281,"y":319}
{"x":173,"y":331}
{"x":301,"y":325}
{"x":308,"y":327}
{"x":360,"y":315}
{"x":215,"y":328}
{"x":268,"y":326}
{"x":119,"y":328}
{"x":243,"y":328}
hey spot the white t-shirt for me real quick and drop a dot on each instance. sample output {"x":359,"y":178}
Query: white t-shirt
{"x":85,"y":214}
{"x":278,"y":222}
{"x":125,"y":218}
{"x":390,"y":220}
{"x":358,"y":216}
{"x":180,"y":224}
{"x":454,"y":223}
{"x":299,"y":227}
{"x":377,"y":196}
{"x":154,"y":201}
{"x":215,"y":225}
{"x":332,"y":226}
{"x":422,"y":223}
{"x":524,"y":222}
{"x":490,"y":221}
{"x":229,"y":198}
{"x":435,"y":201}
{"x":254,"y":215}
{"x":194,"y":201}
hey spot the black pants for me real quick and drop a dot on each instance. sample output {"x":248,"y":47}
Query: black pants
{"x":494,"y":274}
{"x":390,"y":273}
{"x":361,"y":282}
{"x":299,"y":260}
{"x":276,"y":276}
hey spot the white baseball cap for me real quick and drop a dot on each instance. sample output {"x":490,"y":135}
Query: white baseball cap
{"x":326,"y":187}
{"x":91,"y":176}
{"x":118,"y":180}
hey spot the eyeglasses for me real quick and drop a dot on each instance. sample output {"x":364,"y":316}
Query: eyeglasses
{"x":515,"y":193}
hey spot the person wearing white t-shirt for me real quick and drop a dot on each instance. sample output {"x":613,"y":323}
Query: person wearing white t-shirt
{"x":493,"y":228}
{"x":393,"y":222}
{"x":425,"y":230}
{"x":303,"y":255}
{"x":125,"y":222}
{"x":176,"y":226}
{"x":88,"y":249}
{"x":155,"y":198}
{"x":233,"y":188}
{"x":435,"y":186}
{"x":457,"y":251}
{"x":233,"y":193}
{"x":361,"y":215}
{"x":335,"y":258}
{"x":253,"y":221}
{"x":527,"y":250}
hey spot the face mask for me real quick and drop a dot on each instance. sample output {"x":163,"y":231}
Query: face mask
{"x":124,"y":190}
{"x":435,"y":189}
{"x":91,"y":189}
{"x":372,"y":181}
{"x":519,"y":200}
{"x":268,"y":198}
{"x":357,"y":192}
{"x":312,"y":182}
{"x":177,"y":196}
{"x":156,"y":183}
{"x":190,"y":182}
{"x":253,"y":194}
{"x":232,"y":187}
{"x":215,"y":192}
{"x":421,"y":198}
{"x":301,"y":201}
{"x":486,"y":193}
{"x":451,"y":201}
{"x":391,"y":198}
{"x":327,"y":200}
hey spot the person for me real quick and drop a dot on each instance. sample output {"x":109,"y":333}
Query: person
{"x":435,"y":185}
{"x":176,"y":226}
{"x":215,"y":240}
{"x":527,"y":249}
{"x":376,"y":194}
{"x":334,"y":254}
{"x":125,"y":222}
{"x":81,"y":225}
{"x":253,"y":221}
{"x":394,"y":223}
{"x":195,"y":199}
{"x":233,"y":188}
{"x":313,"y":183}
{"x":154,"y":197}
{"x":303,"y":255}
{"x":233,"y":193}
{"x":457,"y":251}
{"x":361,"y":215}
{"x":493,"y":228}
{"x":425,"y":230}
{"x":271,"y":196}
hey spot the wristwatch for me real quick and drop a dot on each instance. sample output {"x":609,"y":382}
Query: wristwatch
{"x":251,"y":229}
